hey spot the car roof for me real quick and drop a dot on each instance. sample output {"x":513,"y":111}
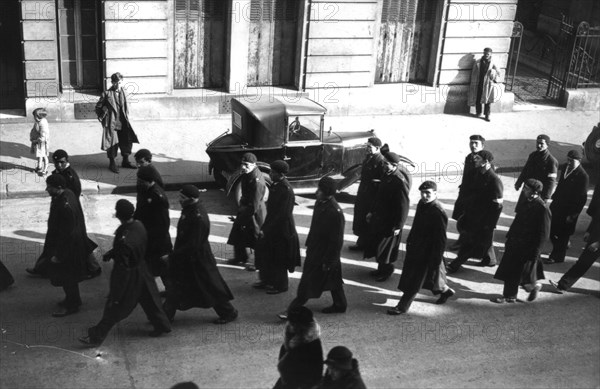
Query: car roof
{"x":268,"y":106}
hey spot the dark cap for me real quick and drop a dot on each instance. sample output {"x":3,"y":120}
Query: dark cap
{"x":59,"y":154}
{"x":477,"y":137}
{"x":487,"y":50}
{"x":124,"y":209}
{"x":339,"y":357}
{"x":534,"y":184}
{"x":300,"y":315}
{"x":280,"y":166}
{"x":56,"y":180}
{"x":249,"y":157}
{"x":327,"y":186}
{"x":375,"y":141}
{"x":143,"y":153}
{"x":428,"y":185}
{"x":544,"y":137}
{"x":486,"y":155}
{"x":575,"y":154}
{"x":146,"y":173}
{"x":392,"y":157}
{"x":190,"y":191}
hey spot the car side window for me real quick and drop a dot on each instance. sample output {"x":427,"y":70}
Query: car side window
{"x":304,"y":128}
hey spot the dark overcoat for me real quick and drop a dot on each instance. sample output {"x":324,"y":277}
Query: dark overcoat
{"x":371,"y":173}
{"x":568,"y":199}
{"x":107,"y":110}
{"x":72,"y":178}
{"x":152,"y":210}
{"x":251,"y":212}
{"x":542,"y":166}
{"x":524,"y":240}
{"x":67,"y":240}
{"x":351,"y":379}
{"x":464,"y":189}
{"x":300,"y":362}
{"x":130,"y":275}
{"x":280,"y":242}
{"x":192,"y":265}
{"x":425,"y":250}
{"x":323,"y":247}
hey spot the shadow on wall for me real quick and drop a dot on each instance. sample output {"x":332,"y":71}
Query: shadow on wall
{"x":457,"y":89}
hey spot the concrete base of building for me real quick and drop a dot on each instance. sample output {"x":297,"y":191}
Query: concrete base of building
{"x":587,"y":99}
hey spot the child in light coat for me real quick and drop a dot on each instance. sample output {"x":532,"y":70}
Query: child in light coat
{"x":39,"y":137}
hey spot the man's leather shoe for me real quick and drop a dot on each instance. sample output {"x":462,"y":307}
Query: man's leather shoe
{"x":65,"y":312}
{"x":88,"y":341}
{"x":451,"y":269}
{"x":128,"y":165}
{"x":235,"y":261}
{"x":375,"y":273}
{"x":333,"y":309}
{"x":227,"y":319}
{"x":250,"y":267}
{"x":445,"y":296}
{"x":260,"y":285}
{"x":534,"y":292}
{"x":395,"y":311}
{"x":31,"y":271}
{"x":155,"y":333}
{"x":485,"y":263}
{"x":275,"y":291}
{"x":550,"y":261}
{"x":502,"y":300}
{"x":112,"y":166}
{"x":62,"y":303}
{"x":94,"y":274}
{"x":487,"y":118}
{"x":355,"y":247}
{"x":557,"y":288}
{"x":383,"y":277}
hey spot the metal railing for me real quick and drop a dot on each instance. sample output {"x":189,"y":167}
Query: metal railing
{"x":513,"y":55}
{"x":584,"y":65}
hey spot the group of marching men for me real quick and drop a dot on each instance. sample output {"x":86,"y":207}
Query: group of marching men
{"x":264,"y":235}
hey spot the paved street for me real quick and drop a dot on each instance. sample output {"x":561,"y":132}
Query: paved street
{"x":469,"y":342}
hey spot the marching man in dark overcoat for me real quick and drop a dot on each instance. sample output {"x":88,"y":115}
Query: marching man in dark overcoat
{"x":371,"y":173}
{"x":481,"y":214}
{"x":387,"y":216}
{"x":66,"y":244}
{"x":195,"y":280}
{"x":152,"y":210}
{"x":323,"y":267}
{"x":541,"y":166}
{"x":113,"y":113}
{"x":521,"y":264}
{"x":130,"y":281}
{"x":425,"y":245}
{"x":280,"y":247}
{"x":567,"y":202}
{"x":251,"y":213}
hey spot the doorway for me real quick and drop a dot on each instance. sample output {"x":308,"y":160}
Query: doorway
{"x":12,"y":94}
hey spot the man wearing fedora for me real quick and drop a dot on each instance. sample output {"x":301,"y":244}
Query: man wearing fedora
{"x":342,"y":370}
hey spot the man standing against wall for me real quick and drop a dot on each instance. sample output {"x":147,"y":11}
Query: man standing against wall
{"x":483,"y":90}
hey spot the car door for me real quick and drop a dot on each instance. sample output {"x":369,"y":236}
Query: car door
{"x":303,"y":149}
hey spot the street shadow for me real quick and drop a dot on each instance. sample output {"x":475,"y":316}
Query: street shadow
{"x":18,"y":151}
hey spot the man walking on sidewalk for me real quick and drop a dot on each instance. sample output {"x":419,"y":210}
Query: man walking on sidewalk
{"x":541,"y":166}
{"x":113,"y":113}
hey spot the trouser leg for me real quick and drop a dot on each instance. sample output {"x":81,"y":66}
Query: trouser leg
{"x":487,"y":109}
{"x":150,"y":302}
{"x":339,"y":298}
{"x":279,"y":276}
{"x":406,"y":301}
{"x":239,"y":253}
{"x":92,"y":263}
{"x":511,"y":287}
{"x":125,"y":143}
{"x":299,"y":301}
{"x":111,"y":152}
{"x":385,"y":269}
{"x":583,"y":264}
{"x":560,"y":241}
{"x":100,"y":331}
{"x":225,"y":309}
{"x":72,"y":296}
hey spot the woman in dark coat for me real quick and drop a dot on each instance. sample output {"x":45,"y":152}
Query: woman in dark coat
{"x":423,"y":264}
{"x":521,"y":262}
{"x":195,"y":280}
{"x":66,"y":244}
{"x":301,"y":355}
{"x":279,"y":245}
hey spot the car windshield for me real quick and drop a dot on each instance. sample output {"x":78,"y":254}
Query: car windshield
{"x":304,"y":128}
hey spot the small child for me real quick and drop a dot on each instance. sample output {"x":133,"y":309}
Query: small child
{"x":39,"y":137}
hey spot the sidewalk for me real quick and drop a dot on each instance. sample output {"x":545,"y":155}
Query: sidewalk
{"x":436,"y":143}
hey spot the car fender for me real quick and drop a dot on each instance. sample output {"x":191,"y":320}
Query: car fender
{"x":350,"y":177}
{"x":591,"y":146}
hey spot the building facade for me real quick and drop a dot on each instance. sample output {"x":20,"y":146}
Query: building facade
{"x":186,"y":58}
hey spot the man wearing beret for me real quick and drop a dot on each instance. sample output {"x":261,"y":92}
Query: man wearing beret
{"x":425,"y":245}
{"x":195,"y":280}
{"x":143,"y":157}
{"x":66,"y":244}
{"x":483,"y":89}
{"x":130,"y":281}
{"x":251,"y":213}
{"x":542,"y":166}
{"x":64,"y":168}
{"x":152,"y":210}
{"x":521,"y":264}
{"x":567,"y":202}
{"x":280,"y":247}
{"x":387,"y":216}
{"x":481,"y":214}
{"x":370,"y":176}
{"x":323,"y":267}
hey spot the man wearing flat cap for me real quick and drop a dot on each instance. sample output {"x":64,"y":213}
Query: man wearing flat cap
{"x":152,"y":209}
{"x":521,"y":264}
{"x":342,"y":370}
{"x":278,"y":248}
{"x":541,"y":166}
{"x":251,"y":213}
{"x":481,"y":214}
{"x":425,"y":245}
{"x":143,"y":157}
{"x":370,"y":176}
{"x":323,"y":267}
{"x":484,"y":89}
{"x":66,"y":244}
{"x":195,"y":280}
{"x":130,"y":281}
{"x":387,"y":216}
{"x":567,"y":202}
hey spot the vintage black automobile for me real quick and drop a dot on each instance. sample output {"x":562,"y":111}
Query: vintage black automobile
{"x":291,"y":130}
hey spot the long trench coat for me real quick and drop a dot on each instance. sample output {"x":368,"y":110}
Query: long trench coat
{"x":425,"y":245}
{"x":251,"y":212}
{"x":491,"y":88}
{"x":107,"y":110}
{"x":323,"y":247}
{"x":196,"y":281}
{"x":67,"y":240}
{"x":371,"y":173}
